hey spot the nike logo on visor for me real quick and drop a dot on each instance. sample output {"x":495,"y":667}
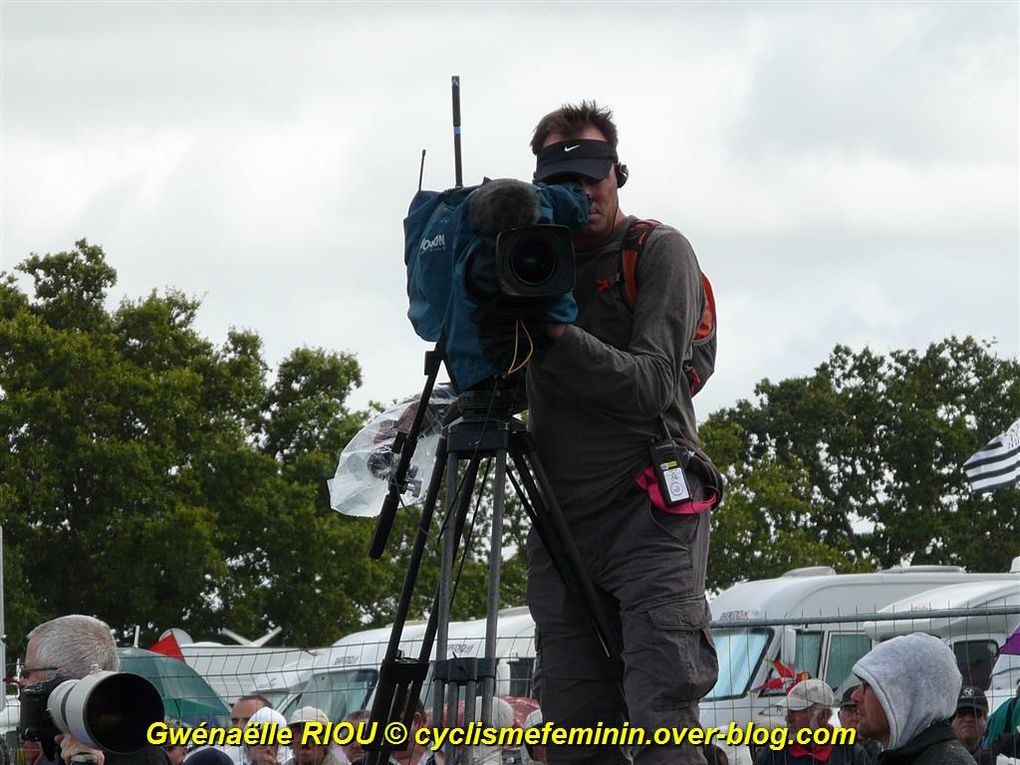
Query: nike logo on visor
{"x":571,"y":148}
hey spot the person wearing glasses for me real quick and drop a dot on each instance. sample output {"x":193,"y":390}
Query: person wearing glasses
{"x":808,"y":707}
{"x":971,"y":720}
{"x":71,"y":645}
{"x":906,"y":698}
{"x":848,"y":719}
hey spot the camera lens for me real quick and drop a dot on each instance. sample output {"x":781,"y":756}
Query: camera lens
{"x":533,"y":261}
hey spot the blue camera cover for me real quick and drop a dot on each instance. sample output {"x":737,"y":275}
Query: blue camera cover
{"x":439,"y":238}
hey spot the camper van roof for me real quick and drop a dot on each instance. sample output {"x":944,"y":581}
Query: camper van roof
{"x":965,"y":595}
{"x":832,"y":594}
{"x":367,"y":647}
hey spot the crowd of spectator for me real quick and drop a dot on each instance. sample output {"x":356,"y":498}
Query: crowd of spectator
{"x":906,"y":701}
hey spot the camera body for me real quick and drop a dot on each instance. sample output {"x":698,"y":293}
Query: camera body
{"x":487,"y":263}
{"x":104,"y":710}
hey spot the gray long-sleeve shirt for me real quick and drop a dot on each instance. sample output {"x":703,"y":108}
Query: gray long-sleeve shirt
{"x":598,"y":394}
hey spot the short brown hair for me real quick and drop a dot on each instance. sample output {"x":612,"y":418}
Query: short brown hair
{"x":571,"y":119}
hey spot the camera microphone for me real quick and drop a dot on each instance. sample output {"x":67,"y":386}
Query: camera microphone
{"x":503,"y":204}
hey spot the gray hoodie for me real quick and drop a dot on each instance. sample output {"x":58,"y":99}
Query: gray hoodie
{"x":916,"y":681}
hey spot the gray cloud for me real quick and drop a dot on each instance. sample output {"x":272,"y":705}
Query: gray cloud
{"x":846,"y":172}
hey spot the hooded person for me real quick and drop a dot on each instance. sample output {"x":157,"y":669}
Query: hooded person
{"x":907,"y":696}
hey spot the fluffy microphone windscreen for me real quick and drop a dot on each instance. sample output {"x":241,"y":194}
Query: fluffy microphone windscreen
{"x":501,"y":204}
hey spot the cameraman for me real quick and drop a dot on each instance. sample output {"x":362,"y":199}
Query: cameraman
{"x":603,"y":390}
{"x":72,"y":644}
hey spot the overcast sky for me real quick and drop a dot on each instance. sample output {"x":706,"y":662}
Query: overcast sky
{"x":847,"y":172}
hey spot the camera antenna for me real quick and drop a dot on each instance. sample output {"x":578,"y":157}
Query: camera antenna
{"x":459,"y":174}
{"x":421,"y":171}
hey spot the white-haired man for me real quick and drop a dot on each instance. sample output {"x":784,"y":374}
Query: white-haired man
{"x":808,"y":708}
{"x":73,"y":644}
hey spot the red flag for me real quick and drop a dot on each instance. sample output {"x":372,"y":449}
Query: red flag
{"x":782,"y":669}
{"x":168,"y":646}
{"x":785,"y":679}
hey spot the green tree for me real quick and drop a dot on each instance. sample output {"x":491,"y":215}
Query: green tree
{"x":154,"y":478}
{"x":858,"y":465}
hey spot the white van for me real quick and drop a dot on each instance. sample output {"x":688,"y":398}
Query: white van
{"x":746,"y":640}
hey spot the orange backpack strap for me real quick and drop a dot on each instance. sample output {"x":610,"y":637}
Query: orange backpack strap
{"x":633,"y":244}
{"x":706,"y":327}
{"x":700,"y":366}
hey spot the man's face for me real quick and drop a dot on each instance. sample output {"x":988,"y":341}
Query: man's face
{"x":412,"y":753}
{"x":242,"y":711}
{"x":799,"y":719}
{"x":969,"y":726}
{"x":33,"y":672}
{"x":605,"y":212}
{"x":353,"y":750}
{"x":871,"y":719}
{"x":306,"y":754}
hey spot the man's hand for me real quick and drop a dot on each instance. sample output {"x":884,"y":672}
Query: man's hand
{"x":555,"y":331}
{"x":70,"y":746}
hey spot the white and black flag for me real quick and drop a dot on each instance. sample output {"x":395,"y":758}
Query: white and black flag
{"x":997,"y":465}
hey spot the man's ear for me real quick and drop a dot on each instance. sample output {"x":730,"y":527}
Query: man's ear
{"x":622,"y":174}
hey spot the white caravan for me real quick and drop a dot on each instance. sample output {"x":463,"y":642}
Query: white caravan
{"x":515,"y":648}
{"x":250,"y":666}
{"x":344,"y":676}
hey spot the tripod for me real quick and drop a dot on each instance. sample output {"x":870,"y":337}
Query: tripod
{"x":486,"y":429}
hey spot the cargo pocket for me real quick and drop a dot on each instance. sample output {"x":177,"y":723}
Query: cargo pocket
{"x":683,"y":629}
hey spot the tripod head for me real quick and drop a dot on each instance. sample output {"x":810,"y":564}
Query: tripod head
{"x":499,"y":403}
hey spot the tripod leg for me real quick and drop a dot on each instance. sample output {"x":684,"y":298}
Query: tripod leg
{"x":492,"y":605}
{"x":439,"y":618}
{"x":383,"y":708}
{"x":446,"y":562}
{"x":556,"y":536}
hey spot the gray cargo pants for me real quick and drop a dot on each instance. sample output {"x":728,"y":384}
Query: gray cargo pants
{"x":649,"y":570}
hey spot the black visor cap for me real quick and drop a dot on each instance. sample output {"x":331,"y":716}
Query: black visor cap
{"x":591,"y":159}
